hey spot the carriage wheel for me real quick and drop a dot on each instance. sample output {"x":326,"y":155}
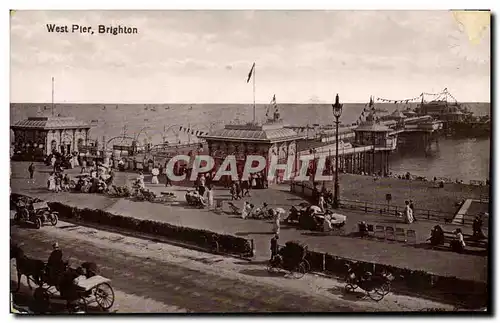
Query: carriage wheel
{"x":53,"y":219}
{"x":78,"y":305}
{"x":376,"y":294}
{"x":38,"y":223}
{"x":17,"y":218}
{"x":299,"y":271}
{"x":215,"y":247}
{"x":72,"y":185}
{"x":212,"y":245}
{"x":307,"y":266}
{"x":104,"y":296}
{"x":386,"y":288}
{"x":350,"y":288}
{"x":42,"y":299}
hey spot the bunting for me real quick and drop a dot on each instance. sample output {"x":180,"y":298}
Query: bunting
{"x":419,"y":97}
{"x":192,"y":131}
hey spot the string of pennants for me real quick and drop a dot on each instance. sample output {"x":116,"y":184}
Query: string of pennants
{"x":192,"y":131}
{"x":419,"y":97}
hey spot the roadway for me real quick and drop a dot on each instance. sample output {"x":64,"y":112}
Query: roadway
{"x":154,"y":277}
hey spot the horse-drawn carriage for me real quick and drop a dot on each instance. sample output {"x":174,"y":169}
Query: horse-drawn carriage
{"x":37,"y":213}
{"x":375,"y":286}
{"x":292,"y":258}
{"x":79,"y":287}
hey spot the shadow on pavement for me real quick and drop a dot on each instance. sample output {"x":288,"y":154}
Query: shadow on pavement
{"x":348,"y":296}
{"x":69,"y":226}
{"x":249,"y":233}
{"x":261,"y":273}
{"x":254,"y":263}
{"x":24,"y":225}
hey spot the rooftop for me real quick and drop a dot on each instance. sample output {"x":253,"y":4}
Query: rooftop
{"x":373,"y":127}
{"x":254,"y":132}
{"x":51,"y":123}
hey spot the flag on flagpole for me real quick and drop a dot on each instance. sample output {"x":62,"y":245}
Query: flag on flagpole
{"x":251,"y":73}
{"x":275,"y":105}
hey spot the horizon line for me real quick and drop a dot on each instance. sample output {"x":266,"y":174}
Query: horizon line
{"x":213,"y":103}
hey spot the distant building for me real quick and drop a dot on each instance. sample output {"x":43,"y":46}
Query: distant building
{"x":39,"y":136}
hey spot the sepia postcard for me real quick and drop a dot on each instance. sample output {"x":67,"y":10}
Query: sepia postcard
{"x":249,"y":161}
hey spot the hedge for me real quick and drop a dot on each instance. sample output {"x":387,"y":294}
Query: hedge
{"x":202,"y":238}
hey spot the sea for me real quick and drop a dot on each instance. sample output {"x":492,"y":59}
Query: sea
{"x":464,"y":159}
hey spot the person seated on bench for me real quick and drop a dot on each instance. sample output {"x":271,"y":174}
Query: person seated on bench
{"x":437,"y":236}
{"x":477,"y":232}
{"x":458,"y":244}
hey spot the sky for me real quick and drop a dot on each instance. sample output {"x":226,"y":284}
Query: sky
{"x":205,"y":56}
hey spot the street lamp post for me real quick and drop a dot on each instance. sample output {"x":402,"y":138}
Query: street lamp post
{"x":337,"y":112}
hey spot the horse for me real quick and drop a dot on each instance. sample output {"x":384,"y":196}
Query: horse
{"x":26,"y":266}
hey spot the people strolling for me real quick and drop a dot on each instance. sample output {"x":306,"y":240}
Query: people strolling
{"x":408,"y":214}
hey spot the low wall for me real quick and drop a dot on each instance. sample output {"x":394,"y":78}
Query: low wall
{"x":470,"y":293}
{"x":462,"y":291}
{"x":221,"y":243}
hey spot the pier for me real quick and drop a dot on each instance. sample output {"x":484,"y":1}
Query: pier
{"x":366,"y":147}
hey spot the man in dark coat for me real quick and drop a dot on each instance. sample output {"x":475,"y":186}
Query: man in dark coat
{"x":55,"y":264}
{"x":31,"y":170}
{"x":477,"y":231}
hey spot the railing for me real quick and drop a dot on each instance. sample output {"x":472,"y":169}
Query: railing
{"x":393,"y":210}
{"x":306,"y":190}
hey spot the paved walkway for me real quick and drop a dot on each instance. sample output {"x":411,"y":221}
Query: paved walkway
{"x":438,"y":262}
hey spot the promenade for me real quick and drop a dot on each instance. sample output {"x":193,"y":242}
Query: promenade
{"x":465,"y":266}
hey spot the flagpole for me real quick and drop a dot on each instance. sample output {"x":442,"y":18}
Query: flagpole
{"x":254,"y":72}
{"x":52,"y":96}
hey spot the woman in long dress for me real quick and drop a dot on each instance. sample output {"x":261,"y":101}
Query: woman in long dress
{"x":245,"y":211}
{"x":277,"y":220}
{"x":408,"y":213}
{"x":52,"y":182}
{"x":210,"y":196}
{"x":321,"y":202}
{"x":141,"y":181}
{"x":154,"y":179}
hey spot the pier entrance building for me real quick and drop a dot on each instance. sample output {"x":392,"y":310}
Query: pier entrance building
{"x":37,"y":137}
{"x":264,"y":140}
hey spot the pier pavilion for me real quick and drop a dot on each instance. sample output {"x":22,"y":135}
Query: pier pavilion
{"x":378,"y":138}
{"x":40,"y":136}
{"x":265,"y":140}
